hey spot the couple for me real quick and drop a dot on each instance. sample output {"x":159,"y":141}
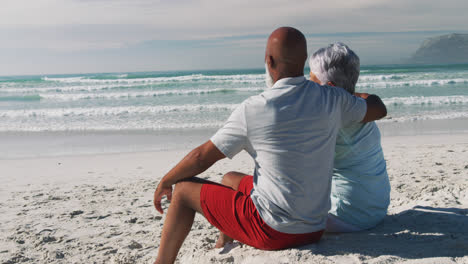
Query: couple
{"x":299,"y":133}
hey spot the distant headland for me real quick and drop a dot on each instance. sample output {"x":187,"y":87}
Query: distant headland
{"x":450,"y":48}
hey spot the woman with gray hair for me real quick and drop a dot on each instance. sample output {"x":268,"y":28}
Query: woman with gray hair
{"x":360,"y":187}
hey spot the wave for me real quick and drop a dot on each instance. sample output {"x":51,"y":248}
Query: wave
{"x":256,"y":78}
{"x":392,"y":76}
{"x":24,"y":98}
{"x":423,"y":100}
{"x":113,"y":95}
{"x":423,"y":117}
{"x":115,"y":111}
{"x":383,"y":84}
{"x":96,"y":87}
{"x":75,"y":88}
{"x":382,"y":77}
{"x":82,"y":96}
{"x":76,"y":127}
{"x":150,"y":124}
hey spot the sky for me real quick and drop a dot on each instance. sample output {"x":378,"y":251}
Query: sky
{"x":81,"y":36}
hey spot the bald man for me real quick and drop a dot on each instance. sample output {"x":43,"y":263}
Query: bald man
{"x":290,"y":131}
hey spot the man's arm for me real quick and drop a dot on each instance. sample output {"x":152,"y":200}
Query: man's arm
{"x":375,"y":107}
{"x":196,"y":162}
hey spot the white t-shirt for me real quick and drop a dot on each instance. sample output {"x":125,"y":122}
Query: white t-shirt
{"x":290,"y":131}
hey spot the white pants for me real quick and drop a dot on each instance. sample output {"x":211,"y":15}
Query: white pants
{"x":335,"y":225}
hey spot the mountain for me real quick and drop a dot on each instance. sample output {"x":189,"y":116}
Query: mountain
{"x":451,"y":48}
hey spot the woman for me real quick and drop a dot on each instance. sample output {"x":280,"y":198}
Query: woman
{"x":360,"y":186}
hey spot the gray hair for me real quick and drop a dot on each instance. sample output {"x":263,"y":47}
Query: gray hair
{"x":336,"y":63}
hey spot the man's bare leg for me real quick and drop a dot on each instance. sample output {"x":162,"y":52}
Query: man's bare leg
{"x":231,"y":179}
{"x":184,"y":204}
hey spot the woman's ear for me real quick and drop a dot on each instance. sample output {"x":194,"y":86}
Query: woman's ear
{"x":314,"y":78}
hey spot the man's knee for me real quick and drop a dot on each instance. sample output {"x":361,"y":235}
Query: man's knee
{"x":232,"y":179}
{"x":228,"y":178}
{"x":181,"y":190}
{"x":187,"y":193}
{"x":181,"y":186}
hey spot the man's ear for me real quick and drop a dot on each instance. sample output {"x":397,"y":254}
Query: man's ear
{"x":270,"y":61}
{"x":330,"y":84}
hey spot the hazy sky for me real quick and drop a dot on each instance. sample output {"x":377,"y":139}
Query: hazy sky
{"x":74,"y":36}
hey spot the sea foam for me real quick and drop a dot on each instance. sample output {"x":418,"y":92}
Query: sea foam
{"x":115,"y":111}
{"x":184,"y":100}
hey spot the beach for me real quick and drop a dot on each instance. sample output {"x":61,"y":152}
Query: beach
{"x":97,"y":208}
{"x":100,"y":100}
{"x":82,"y":155}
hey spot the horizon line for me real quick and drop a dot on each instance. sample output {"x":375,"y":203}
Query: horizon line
{"x":222,"y":69}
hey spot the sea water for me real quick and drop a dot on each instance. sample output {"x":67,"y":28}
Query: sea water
{"x":204,"y":99}
{"x":163,"y":102}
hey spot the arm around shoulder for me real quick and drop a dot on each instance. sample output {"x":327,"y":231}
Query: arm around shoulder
{"x":375,"y":107}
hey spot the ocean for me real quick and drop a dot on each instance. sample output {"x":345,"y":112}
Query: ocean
{"x":164,"y":103}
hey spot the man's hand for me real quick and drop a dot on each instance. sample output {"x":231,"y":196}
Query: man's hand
{"x":161,"y":190}
{"x":362,"y":95}
{"x":196,"y":162}
{"x":375,"y":108}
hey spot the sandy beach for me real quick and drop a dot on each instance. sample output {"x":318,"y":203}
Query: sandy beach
{"x":98,"y":209}
{"x":99,"y":100}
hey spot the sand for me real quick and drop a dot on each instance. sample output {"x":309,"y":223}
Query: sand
{"x":98,"y":209}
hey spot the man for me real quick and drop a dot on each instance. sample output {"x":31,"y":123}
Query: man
{"x":290,"y":132}
{"x":360,"y":187}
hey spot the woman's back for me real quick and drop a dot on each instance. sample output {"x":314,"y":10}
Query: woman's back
{"x":360,"y":186}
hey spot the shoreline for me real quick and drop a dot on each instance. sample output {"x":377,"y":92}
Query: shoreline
{"x":30,"y":170}
{"x":20,"y":145}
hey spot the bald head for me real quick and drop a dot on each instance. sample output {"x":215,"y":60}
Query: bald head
{"x":286,"y":53}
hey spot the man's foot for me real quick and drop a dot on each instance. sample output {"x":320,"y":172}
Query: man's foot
{"x":223,"y":240}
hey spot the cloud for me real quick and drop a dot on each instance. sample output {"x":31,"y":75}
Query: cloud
{"x":71,"y":38}
{"x":190,"y":19}
{"x":204,"y":18}
{"x":151,"y":34}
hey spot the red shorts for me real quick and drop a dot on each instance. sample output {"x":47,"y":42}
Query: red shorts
{"x":234,"y":214}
